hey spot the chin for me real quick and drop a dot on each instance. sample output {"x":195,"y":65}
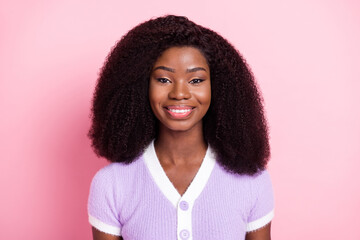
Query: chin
{"x":178,"y":127}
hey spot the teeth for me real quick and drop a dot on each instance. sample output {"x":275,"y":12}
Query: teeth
{"x":179,"y":110}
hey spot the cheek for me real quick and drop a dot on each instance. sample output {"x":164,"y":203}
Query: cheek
{"x":155,"y":95}
{"x":152,"y":92}
{"x":155,"y":99}
{"x":204,"y":96}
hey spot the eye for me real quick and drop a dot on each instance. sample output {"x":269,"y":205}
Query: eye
{"x":163,"y":80}
{"x":196,"y":81}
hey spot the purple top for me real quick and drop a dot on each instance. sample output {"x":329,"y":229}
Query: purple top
{"x":138,"y":201}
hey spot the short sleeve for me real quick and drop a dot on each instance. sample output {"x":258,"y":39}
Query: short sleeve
{"x":262,"y":211}
{"x":102,"y":203}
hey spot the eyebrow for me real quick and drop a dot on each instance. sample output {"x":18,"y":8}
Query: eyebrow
{"x":195,"y":69}
{"x":164,"y":68}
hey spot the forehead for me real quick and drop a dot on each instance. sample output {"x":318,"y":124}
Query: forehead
{"x":182,"y":57}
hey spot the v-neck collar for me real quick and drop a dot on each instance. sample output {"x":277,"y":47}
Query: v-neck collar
{"x":167,"y":188}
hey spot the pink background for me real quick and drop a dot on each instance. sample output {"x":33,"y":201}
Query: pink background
{"x":305,"y":55}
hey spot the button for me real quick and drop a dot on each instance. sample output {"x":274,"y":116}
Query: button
{"x":184,"y":234}
{"x":184,"y":205}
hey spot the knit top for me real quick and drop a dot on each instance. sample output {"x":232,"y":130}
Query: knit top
{"x":138,"y":201}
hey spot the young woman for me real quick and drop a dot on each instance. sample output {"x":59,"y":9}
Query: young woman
{"x":177,"y":112}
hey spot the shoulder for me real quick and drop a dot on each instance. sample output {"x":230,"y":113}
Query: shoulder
{"x":260,"y":178}
{"x":262,"y":198}
{"x":118,"y":169}
{"x":108,"y":191}
{"x":254,"y":193}
{"x":261,"y":185}
{"x":115,"y":175}
{"x":257,"y":185}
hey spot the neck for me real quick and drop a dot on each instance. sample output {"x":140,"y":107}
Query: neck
{"x":180,"y":147}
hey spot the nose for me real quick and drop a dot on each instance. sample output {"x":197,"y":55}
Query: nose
{"x":180,"y":91}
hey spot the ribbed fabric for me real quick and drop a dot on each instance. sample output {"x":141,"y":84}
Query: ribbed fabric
{"x":125,"y":200}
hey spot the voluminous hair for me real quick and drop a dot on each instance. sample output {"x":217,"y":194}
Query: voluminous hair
{"x":123,"y":123}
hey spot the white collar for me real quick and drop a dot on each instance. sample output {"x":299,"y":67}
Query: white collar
{"x":167,"y":188}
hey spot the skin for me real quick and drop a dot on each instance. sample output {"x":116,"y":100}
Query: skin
{"x":97,"y":235}
{"x":260,"y":234}
{"x":181,"y":78}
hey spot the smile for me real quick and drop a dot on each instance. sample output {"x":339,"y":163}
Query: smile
{"x":179,"y":112}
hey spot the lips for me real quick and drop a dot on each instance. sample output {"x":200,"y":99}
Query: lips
{"x":179,"y":112}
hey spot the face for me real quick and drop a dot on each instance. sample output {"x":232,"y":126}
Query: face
{"x":179,"y":88}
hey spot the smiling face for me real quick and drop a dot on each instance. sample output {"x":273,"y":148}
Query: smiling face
{"x":179,"y":88}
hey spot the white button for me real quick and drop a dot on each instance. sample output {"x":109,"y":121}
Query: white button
{"x":184,"y":234}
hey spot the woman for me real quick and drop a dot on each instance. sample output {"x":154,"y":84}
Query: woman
{"x":177,"y":112}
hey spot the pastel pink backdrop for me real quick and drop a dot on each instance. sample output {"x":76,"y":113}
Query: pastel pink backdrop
{"x":304,"y":54}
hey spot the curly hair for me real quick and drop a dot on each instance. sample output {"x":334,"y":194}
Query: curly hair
{"x":123,"y":123}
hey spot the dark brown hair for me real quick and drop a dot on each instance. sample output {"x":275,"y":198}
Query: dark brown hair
{"x":123,"y":123}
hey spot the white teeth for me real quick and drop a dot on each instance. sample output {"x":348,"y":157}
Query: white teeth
{"x":179,"y":110}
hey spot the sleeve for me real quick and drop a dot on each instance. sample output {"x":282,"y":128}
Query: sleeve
{"x":102,"y":205}
{"x":262,"y":211}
